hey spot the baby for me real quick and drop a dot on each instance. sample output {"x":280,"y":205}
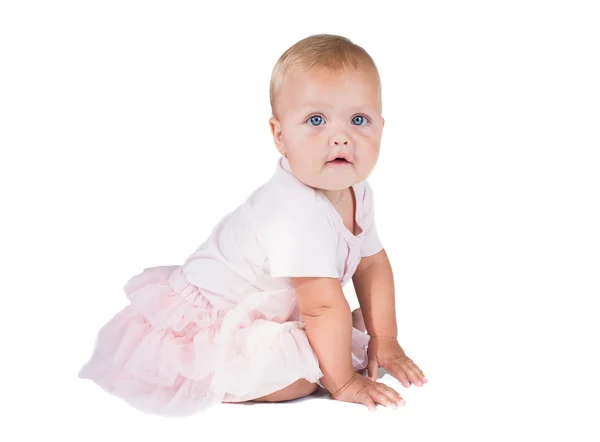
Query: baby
{"x":257,"y":312}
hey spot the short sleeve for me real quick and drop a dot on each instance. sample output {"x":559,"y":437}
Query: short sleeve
{"x":299,"y":243}
{"x":371,"y":242}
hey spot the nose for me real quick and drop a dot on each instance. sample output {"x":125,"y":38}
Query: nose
{"x":340,"y":139}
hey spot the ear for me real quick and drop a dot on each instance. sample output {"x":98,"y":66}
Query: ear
{"x":275,"y":126}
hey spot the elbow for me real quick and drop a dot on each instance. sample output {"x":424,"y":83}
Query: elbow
{"x":321,"y":310}
{"x":319,"y":296}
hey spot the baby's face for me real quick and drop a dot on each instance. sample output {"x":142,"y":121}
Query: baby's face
{"x":323,"y":116}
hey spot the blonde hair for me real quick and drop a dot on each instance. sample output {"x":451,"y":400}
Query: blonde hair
{"x":320,"y":52}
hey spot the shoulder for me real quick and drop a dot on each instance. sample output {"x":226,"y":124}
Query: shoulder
{"x":364,"y":192}
{"x":294,"y":229}
{"x":282,"y":198}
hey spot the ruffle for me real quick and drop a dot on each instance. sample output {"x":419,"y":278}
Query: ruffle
{"x":170,"y":352}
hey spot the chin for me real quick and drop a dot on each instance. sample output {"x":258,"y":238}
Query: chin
{"x":338,"y":184}
{"x":340,"y":179}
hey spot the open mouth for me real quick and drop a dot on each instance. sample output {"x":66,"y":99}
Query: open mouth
{"x":338,"y":161}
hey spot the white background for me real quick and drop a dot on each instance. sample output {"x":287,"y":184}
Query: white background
{"x":129,"y":129}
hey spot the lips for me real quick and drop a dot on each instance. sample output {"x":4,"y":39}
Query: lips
{"x":339,"y":161}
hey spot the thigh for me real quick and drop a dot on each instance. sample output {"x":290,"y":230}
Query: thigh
{"x":299,"y":389}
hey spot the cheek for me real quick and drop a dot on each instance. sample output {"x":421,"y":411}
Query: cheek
{"x":370,"y":153}
{"x":371,"y":144}
{"x":375,"y":153}
{"x":296,"y":136}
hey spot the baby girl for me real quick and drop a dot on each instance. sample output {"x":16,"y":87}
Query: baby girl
{"x":257,"y":312}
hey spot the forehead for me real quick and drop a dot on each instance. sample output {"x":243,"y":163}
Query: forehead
{"x":330,"y":89}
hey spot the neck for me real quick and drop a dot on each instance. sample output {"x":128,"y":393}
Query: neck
{"x":335,"y":196}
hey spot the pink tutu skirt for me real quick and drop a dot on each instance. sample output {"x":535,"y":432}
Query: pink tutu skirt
{"x":171,"y":352}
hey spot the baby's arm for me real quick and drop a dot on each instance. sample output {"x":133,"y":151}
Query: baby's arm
{"x":374,"y":286}
{"x":328,"y":325}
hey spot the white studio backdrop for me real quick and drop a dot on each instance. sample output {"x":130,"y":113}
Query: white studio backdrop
{"x":128,"y":129}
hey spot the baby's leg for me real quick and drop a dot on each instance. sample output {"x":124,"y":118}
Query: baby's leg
{"x":302,"y":387}
{"x":297,"y":390}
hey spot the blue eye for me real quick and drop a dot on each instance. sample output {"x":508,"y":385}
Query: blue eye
{"x":317,"y":119}
{"x":360,"y":116}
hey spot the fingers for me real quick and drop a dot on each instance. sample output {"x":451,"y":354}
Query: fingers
{"x":392,"y":394}
{"x":368,"y":401}
{"x":418,"y":371}
{"x":414,"y":373}
{"x":407,"y":373}
{"x":377,"y":395}
{"x":398,"y":371}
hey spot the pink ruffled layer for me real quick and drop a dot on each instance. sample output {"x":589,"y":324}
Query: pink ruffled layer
{"x":171,"y":352}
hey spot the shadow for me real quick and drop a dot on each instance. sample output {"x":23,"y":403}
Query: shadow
{"x":381,"y":372}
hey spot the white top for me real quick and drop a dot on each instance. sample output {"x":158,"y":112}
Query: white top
{"x":284,"y":229}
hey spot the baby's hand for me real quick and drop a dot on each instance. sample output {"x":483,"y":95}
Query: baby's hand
{"x":387,"y":353}
{"x":362,"y":390}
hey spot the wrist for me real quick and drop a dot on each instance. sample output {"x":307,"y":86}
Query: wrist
{"x":345,"y":386}
{"x":334,"y":384}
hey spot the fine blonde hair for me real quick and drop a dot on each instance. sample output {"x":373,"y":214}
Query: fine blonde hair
{"x":320,"y":53}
